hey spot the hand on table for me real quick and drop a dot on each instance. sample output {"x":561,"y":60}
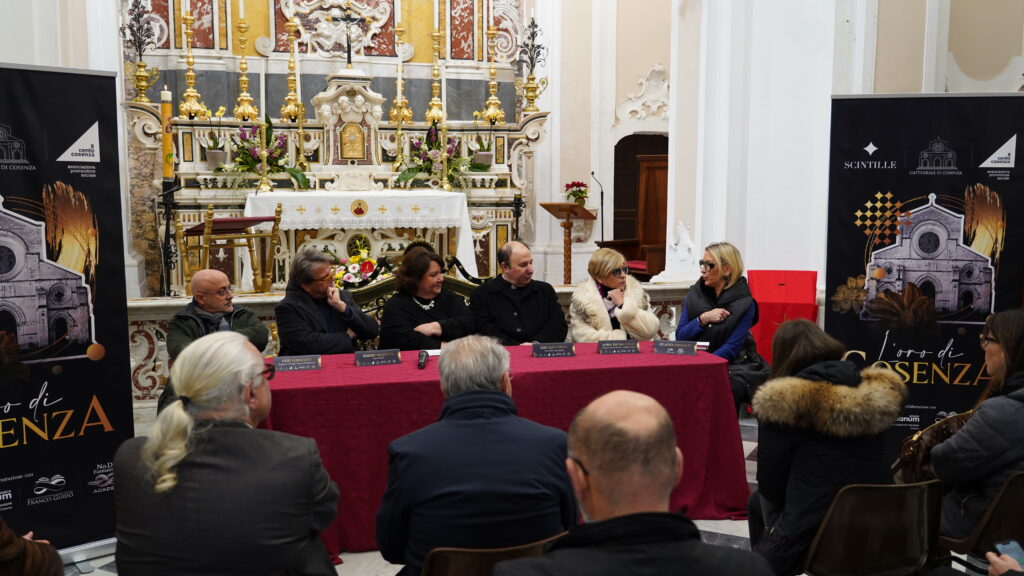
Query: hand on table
{"x":1000,"y":564}
{"x":432,"y":329}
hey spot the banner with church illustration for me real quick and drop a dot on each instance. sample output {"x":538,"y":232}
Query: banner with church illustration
{"x":65,"y":386}
{"x":925,"y":221}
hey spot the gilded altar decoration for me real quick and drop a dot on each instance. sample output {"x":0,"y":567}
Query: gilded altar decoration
{"x":138,"y":35}
{"x":531,"y":55}
{"x":192,"y":106}
{"x":353,"y":142}
{"x":249,"y":154}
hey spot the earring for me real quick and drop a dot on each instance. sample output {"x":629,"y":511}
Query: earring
{"x":727,"y":277}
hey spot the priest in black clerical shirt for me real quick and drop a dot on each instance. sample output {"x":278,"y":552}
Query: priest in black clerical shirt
{"x":515,"y":308}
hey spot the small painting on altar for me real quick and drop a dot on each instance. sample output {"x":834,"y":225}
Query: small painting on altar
{"x":499,"y":149}
{"x":353,"y":142}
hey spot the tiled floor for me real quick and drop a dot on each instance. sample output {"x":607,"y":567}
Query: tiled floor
{"x":724,"y":532}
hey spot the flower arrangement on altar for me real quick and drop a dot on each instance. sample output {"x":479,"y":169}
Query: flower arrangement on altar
{"x":578,"y":191}
{"x":357,"y":268}
{"x":425,"y":156}
{"x":248,"y":148}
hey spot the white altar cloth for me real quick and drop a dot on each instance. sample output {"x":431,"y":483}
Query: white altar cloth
{"x":362,"y":210}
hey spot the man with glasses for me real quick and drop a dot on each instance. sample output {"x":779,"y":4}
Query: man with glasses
{"x":211,"y":310}
{"x":315,"y":316}
{"x":479,"y":477}
{"x":624,"y":463}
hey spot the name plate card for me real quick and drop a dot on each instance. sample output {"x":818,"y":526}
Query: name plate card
{"x":377,"y":357}
{"x":618,"y":347}
{"x":292,"y":363}
{"x":554,"y":349}
{"x":677,"y":347}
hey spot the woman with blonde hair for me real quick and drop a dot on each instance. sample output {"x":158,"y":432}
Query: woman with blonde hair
{"x":720,"y":310}
{"x":206,"y":472}
{"x":611,"y":304}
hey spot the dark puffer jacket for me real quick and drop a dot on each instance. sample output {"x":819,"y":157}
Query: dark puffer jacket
{"x":818,"y":431}
{"x":979,"y":458}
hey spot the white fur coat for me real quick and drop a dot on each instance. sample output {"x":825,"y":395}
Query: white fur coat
{"x":589,"y":321}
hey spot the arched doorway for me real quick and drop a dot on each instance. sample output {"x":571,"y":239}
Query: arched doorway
{"x":58,"y":329}
{"x":9,"y":324}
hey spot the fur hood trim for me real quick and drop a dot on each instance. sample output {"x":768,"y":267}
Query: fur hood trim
{"x":843,"y":411}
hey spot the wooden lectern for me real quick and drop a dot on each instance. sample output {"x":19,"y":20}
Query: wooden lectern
{"x":567,"y":212}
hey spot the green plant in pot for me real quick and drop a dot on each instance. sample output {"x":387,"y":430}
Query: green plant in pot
{"x":578,"y":192}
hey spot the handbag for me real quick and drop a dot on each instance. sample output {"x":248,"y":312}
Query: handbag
{"x":913,"y":462}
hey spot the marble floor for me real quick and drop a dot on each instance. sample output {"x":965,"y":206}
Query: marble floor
{"x":724,"y":532}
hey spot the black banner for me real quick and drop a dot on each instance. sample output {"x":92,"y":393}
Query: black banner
{"x":924,"y":239}
{"x":65,"y":387}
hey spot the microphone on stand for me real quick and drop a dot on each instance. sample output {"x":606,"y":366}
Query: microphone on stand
{"x":421,"y":361}
{"x":602,"y":202}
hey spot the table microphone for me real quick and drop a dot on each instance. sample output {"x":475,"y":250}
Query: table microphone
{"x":421,"y":361}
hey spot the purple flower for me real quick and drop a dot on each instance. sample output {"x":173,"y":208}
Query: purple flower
{"x":434,"y":155}
{"x":423,"y":156}
{"x":437,"y":167}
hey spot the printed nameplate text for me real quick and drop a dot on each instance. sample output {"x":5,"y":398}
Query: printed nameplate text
{"x":618,"y":347}
{"x":377,"y":357}
{"x":290,"y":363}
{"x":553,"y":349}
{"x":677,"y":347}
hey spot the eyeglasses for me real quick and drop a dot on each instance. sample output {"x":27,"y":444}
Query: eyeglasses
{"x":268,"y":371}
{"x":580,"y":464}
{"x":326,"y":277}
{"x":986,"y":340}
{"x":706,"y":264}
{"x":222,"y":292}
{"x":619,"y":272}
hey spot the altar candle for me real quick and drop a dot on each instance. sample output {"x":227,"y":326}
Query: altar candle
{"x":167,"y":137}
{"x":184,"y":6}
{"x":241,"y":9}
{"x":490,"y":13}
{"x":398,"y":12}
{"x":437,"y":14}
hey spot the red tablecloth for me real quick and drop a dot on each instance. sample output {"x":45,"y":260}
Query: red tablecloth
{"x":781,"y":295}
{"x":353,"y":413}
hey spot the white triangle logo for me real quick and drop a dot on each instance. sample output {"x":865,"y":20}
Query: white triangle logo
{"x":1004,"y":157}
{"x":86,"y":148}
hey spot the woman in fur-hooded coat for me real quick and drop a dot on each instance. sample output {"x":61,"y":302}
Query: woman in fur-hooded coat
{"x":611,"y":304}
{"x":821,"y":426}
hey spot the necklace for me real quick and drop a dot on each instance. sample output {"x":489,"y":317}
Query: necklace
{"x":422,"y":305}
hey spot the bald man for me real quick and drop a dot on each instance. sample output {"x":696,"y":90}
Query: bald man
{"x":211,"y":310}
{"x":623,"y":463}
{"x":513,"y":307}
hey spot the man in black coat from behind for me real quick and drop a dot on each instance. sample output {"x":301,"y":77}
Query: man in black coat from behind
{"x":480,"y":477}
{"x":623,"y":462}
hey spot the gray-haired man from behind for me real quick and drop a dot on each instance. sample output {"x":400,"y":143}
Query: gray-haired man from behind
{"x":480,"y":477}
{"x":624,"y":463}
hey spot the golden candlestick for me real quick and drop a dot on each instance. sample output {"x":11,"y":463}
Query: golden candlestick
{"x":445,"y":184}
{"x":492,"y":112}
{"x":244,"y":110}
{"x":435,"y":110}
{"x":292,"y":108}
{"x":400,"y":112}
{"x":264,"y":185}
{"x":301,"y":163}
{"x":191,"y":106}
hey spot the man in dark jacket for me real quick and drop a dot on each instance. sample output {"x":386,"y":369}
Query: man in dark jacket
{"x":624,"y":462}
{"x":480,"y":477}
{"x":515,"y":308}
{"x":315,"y":316}
{"x":211,"y":310}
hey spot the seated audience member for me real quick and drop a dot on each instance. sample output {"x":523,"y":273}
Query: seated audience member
{"x":211,"y":310}
{"x":480,"y":477}
{"x":624,"y":463}
{"x":515,"y":308}
{"x":821,"y":426}
{"x":23,"y":556}
{"x":422,"y":314}
{"x":315,"y":316}
{"x":207,"y":492}
{"x":611,"y":304}
{"x":977,"y":460}
{"x":719,"y":309}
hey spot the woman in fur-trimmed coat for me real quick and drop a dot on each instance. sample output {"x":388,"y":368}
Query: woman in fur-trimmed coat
{"x":611,"y":304}
{"x":821,"y":426}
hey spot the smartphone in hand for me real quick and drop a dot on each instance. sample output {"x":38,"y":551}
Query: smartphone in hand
{"x":1012,"y":549}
